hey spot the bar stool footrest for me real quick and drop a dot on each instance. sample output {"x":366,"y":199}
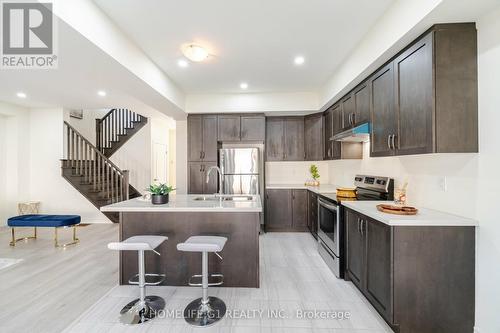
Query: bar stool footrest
{"x":135,"y":279}
{"x":219,"y":282}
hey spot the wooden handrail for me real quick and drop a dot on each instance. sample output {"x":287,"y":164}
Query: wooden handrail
{"x":106,"y":115}
{"x":112,"y":126}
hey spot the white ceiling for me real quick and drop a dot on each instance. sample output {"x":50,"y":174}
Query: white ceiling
{"x":252,"y":41}
{"x":83,"y":69}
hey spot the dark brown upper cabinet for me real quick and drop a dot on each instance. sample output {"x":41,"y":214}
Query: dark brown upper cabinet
{"x":313,"y":136}
{"x":275,"y":139}
{"x":241,"y":128}
{"x":202,"y":138}
{"x":285,"y":139}
{"x":383,"y":124}
{"x":328,"y":133}
{"x":294,"y":139}
{"x":253,"y":128}
{"x":361,"y":95}
{"x":433,"y":87}
{"x":338,"y":125}
{"x":348,"y":110}
{"x":229,"y":128}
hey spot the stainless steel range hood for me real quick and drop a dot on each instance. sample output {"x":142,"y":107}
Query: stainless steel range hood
{"x":359,"y":133}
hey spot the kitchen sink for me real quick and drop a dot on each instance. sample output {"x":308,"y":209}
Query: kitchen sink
{"x":224,"y":198}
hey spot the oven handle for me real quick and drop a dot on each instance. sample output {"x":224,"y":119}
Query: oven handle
{"x":327,"y":205}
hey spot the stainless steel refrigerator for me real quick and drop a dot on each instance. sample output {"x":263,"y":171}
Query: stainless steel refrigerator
{"x":241,"y":170}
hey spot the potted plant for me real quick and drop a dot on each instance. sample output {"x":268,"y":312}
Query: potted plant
{"x":314,"y":174}
{"x":159,"y":193}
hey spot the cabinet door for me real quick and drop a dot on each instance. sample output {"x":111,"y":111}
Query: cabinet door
{"x":382,"y":111}
{"x":195,"y":138}
{"x":328,"y":132}
{"x":338,"y":125}
{"x":229,"y":128}
{"x":195,"y":178}
{"x":210,"y":138}
{"x":378,"y":285}
{"x":299,"y":209}
{"x":210,"y":187}
{"x":362,"y":104}
{"x":275,"y":136}
{"x":294,"y":139}
{"x":313,"y":132}
{"x":253,"y":128}
{"x":312,"y":222}
{"x":278,"y":209}
{"x":414,"y":99}
{"x":355,"y":248}
{"x":348,"y":110}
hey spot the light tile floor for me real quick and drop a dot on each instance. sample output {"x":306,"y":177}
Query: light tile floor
{"x":293,"y":278}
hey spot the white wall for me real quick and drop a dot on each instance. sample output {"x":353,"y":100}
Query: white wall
{"x":181,"y":156}
{"x":16,"y":159}
{"x":272,"y":102}
{"x":488,"y":247}
{"x":86,"y":125}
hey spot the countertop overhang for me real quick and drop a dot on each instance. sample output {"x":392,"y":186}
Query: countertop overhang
{"x":425,"y":216}
{"x":186,"y":203}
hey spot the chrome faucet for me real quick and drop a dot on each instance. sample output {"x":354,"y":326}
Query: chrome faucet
{"x":220,"y":177}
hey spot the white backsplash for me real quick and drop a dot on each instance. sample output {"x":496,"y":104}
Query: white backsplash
{"x":294,"y":172}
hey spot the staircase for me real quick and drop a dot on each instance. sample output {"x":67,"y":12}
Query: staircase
{"x":116,"y":128}
{"x":88,"y":167}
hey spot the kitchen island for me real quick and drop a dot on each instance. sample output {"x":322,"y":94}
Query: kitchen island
{"x":234,"y":217}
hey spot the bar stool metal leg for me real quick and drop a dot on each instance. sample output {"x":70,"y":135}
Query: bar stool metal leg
{"x":145,"y":307}
{"x":207,"y":310}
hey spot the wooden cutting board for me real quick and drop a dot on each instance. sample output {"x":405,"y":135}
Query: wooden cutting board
{"x":397,"y":210}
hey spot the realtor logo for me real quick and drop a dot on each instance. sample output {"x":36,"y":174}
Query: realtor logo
{"x":28,"y":32}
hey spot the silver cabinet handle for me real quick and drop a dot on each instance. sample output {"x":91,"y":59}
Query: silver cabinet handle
{"x":389,"y":141}
{"x":362,"y":226}
{"x":201,"y":155}
{"x":394,"y":141}
{"x":359,"y":225}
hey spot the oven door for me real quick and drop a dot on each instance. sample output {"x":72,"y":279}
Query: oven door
{"x":328,"y":225}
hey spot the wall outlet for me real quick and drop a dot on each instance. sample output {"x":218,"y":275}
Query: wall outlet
{"x":443,"y":184}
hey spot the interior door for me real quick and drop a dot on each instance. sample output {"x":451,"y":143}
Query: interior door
{"x":160,"y":163}
{"x":384,"y":122}
{"x":414,"y":99}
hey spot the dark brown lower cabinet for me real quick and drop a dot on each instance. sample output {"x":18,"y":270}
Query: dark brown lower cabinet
{"x":197,"y":178}
{"x":419,"y":278}
{"x":312,"y":220}
{"x":286,"y":210}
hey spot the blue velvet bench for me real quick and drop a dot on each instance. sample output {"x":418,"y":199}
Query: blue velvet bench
{"x":44,"y":221}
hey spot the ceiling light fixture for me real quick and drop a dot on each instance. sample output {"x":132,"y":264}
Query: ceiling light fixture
{"x":299,"y":60}
{"x":182,"y":63}
{"x":101,"y":93}
{"x":195,"y":52}
{"x":21,"y":95}
{"x":243,"y":85}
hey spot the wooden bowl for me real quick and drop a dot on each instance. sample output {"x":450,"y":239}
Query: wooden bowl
{"x":397,"y":210}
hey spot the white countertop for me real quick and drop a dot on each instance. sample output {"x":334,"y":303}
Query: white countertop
{"x":186,"y":203}
{"x":322,"y":189}
{"x":424,"y":217}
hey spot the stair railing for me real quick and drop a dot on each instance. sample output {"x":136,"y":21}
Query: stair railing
{"x":114,"y":123}
{"x":95,"y":168}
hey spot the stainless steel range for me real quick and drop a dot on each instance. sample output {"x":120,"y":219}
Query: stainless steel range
{"x":331,"y":218}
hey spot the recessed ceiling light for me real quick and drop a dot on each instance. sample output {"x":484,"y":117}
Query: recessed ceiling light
{"x":195,"y":52}
{"x":243,"y":85}
{"x":299,"y":60}
{"x":101,"y":93}
{"x":21,"y":95}
{"x":182,"y":63}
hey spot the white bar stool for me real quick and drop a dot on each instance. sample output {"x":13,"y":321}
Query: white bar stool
{"x":145,"y":307}
{"x":206,"y":310}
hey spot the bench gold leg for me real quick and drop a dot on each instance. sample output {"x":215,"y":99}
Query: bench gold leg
{"x":14,"y":240}
{"x":56,"y":239}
